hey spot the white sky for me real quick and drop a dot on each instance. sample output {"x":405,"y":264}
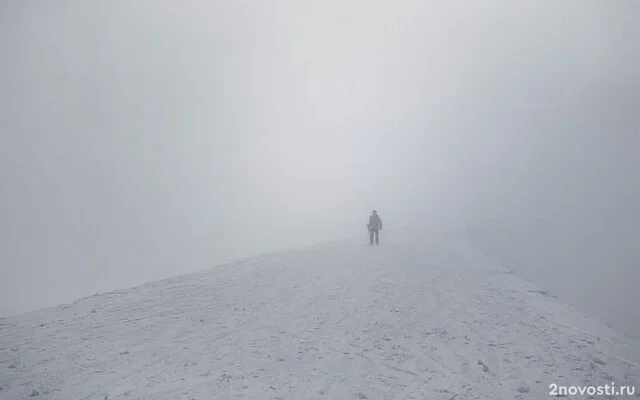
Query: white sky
{"x":144,"y":139}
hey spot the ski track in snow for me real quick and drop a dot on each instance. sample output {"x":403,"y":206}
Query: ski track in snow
{"x":334,"y":321}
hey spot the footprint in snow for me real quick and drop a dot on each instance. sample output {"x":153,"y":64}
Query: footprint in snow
{"x":485,"y":368}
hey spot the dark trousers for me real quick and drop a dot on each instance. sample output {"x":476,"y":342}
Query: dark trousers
{"x":374,"y":234}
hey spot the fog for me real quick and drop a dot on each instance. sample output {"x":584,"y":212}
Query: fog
{"x":141,"y":140}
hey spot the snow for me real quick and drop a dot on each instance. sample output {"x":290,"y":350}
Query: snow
{"x":426,"y":320}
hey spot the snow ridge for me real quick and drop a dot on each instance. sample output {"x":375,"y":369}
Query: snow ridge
{"x":337,"y":321}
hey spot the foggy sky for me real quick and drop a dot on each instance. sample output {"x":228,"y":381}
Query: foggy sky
{"x":140,"y":140}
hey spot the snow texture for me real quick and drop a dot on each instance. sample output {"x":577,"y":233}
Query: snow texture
{"x":428,"y":320}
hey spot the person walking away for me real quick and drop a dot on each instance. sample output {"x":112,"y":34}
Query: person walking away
{"x":375,"y":226}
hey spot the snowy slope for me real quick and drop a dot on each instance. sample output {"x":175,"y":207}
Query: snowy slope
{"x":335,"y":321}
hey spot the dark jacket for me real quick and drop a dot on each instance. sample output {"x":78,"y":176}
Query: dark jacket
{"x":375,"y":223}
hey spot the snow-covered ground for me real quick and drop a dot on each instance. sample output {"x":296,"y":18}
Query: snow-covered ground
{"x":430,"y":319}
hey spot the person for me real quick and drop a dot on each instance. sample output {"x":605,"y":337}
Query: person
{"x":375,"y":226}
